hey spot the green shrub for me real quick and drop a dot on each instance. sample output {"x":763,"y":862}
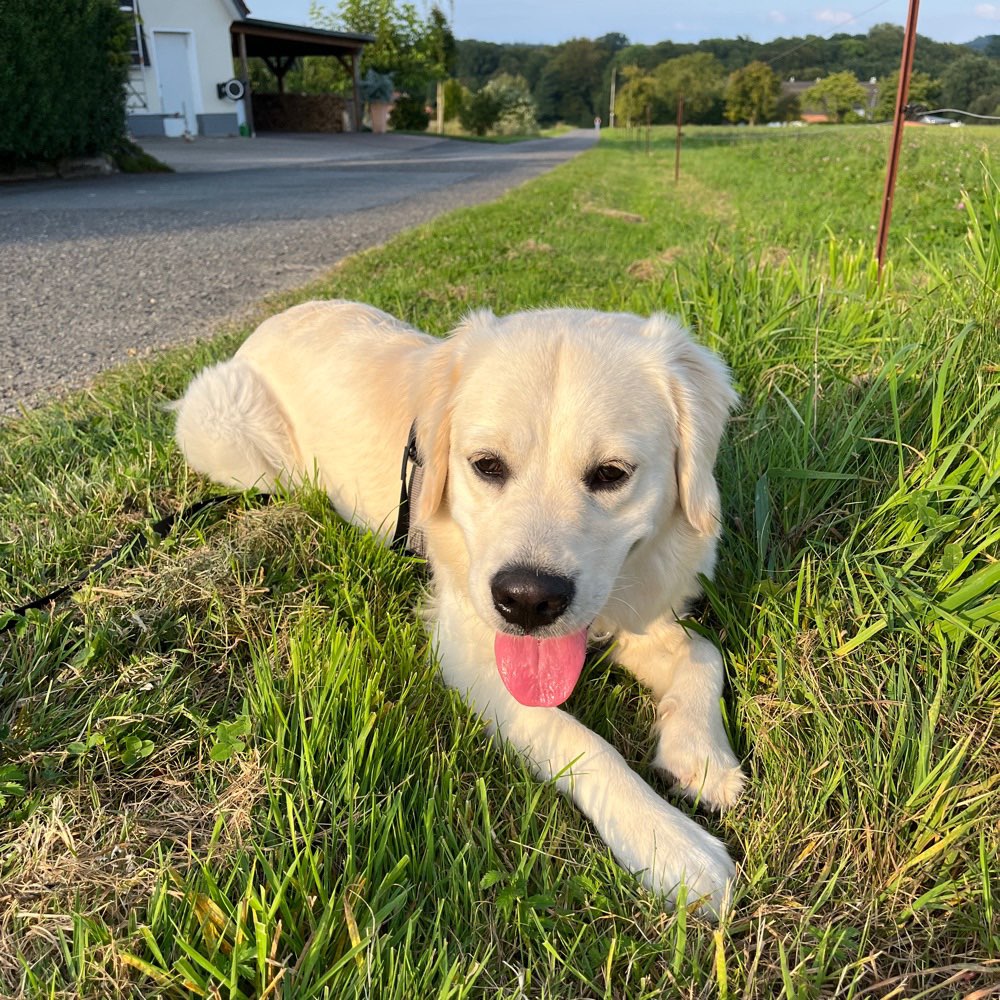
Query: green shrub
{"x":410,"y":114}
{"x":63,"y":67}
{"x":454,"y":99}
{"x":517,"y":106}
{"x":480,"y":112}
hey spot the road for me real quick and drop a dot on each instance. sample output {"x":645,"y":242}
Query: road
{"x":94,"y":272}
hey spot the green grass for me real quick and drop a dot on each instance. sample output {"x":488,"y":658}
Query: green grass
{"x":229,"y":769}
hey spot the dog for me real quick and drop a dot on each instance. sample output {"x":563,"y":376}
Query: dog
{"x":568,"y":494}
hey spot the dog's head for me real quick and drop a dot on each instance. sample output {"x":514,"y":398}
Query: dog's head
{"x":568,"y":446}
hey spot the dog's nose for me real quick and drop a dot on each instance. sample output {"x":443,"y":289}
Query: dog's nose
{"x":529,"y":598}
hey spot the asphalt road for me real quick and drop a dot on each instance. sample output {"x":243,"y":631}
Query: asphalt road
{"x":94,"y":272}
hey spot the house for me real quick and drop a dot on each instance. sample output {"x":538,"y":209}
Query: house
{"x":814,"y":115}
{"x":182,"y":79}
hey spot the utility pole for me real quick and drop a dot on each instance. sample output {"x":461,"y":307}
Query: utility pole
{"x":611,"y":112}
{"x":905,"y":70}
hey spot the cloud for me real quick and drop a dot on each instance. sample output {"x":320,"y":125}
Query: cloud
{"x":988,"y":11}
{"x":834,"y":16}
{"x":777,"y":17}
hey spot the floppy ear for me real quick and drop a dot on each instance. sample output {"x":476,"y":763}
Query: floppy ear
{"x":701,"y":396}
{"x":439,"y":377}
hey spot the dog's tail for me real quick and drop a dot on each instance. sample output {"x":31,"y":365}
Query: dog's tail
{"x":231,"y":428}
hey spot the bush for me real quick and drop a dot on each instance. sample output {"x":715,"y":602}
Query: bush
{"x":63,"y":67}
{"x":517,"y":107}
{"x":454,"y":99}
{"x":480,"y":112}
{"x":410,"y":114}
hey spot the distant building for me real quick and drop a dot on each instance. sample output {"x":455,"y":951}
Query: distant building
{"x":814,"y":114}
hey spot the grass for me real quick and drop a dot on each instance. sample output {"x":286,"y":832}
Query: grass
{"x":229,"y":770}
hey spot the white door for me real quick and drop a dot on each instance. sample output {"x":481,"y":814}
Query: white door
{"x":173,"y":67}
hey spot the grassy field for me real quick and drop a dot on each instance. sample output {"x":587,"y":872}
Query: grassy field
{"x":228,"y":768}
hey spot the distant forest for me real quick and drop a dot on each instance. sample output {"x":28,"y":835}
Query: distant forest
{"x":571,"y":81}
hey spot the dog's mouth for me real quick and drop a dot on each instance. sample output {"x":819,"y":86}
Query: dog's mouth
{"x":540,"y":673}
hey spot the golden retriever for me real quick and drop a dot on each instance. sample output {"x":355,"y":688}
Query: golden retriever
{"x":568,"y":492}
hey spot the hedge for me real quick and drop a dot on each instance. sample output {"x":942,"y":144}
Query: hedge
{"x":63,"y":67}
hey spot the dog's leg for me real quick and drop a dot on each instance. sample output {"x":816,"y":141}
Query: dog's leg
{"x":685,"y":674}
{"x":647,"y":835}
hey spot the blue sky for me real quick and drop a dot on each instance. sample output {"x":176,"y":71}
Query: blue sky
{"x":649,"y":21}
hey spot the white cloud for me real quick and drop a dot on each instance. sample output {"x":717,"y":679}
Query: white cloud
{"x":776,"y":17}
{"x":988,"y":11}
{"x":834,"y":16}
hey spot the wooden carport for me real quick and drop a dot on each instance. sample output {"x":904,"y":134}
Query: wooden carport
{"x":279,"y":45}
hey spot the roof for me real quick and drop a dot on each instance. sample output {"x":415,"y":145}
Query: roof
{"x":271,"y":38}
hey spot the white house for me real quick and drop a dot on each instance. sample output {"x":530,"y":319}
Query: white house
{"x":182,"y":77}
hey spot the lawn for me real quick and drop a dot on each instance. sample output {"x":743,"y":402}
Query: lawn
{"x":228,"y":768}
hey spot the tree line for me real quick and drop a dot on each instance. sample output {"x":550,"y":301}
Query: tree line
{"x":504,"y":87}
{"x":735,"y":79}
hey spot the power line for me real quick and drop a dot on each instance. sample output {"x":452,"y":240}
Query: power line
{"x":959,"y":111}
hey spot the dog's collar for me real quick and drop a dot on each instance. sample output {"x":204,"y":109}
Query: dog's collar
{"x":407,"y":537}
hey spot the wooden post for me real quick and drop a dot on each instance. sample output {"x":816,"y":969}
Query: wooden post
{"x":677,"y":150}
{"x":356,"y":79}
{"x":245,"y":70}
{"x":440,"y":107}
{"x":611,"y":113}
{"x":905,"y":69}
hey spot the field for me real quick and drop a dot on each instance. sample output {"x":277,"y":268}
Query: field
{"x":229,"y":770}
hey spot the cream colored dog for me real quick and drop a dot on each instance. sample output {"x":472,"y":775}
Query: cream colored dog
{"x":568,"y":492}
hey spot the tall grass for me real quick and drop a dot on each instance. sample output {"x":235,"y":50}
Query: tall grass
{"x":229,"y":768}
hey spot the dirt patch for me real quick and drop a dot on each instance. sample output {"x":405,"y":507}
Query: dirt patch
{"x":654,"y":268}
{"x":613,"y":213}
{"x":101,"y":851}
{"x":528,"y":247}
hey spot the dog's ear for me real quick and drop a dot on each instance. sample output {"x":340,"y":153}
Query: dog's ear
{"x":700,"y":396}
{"x":439,"y":377}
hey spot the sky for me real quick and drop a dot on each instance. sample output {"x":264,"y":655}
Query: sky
{"x":648,"y":21}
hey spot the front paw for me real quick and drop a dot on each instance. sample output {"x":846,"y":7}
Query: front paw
{"x":704,"y":767}
{"x":697,"y":859}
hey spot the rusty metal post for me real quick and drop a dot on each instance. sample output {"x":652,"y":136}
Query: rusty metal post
{"x":905,"y":70}
{"x":677,"y":150}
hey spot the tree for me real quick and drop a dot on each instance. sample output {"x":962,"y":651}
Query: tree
{"x":439,"y":48}
{"x":837,"y":95}
{"x":400,"y":45}
{"x":635,"y":95}
{"x":923,"y":90}
{"x":571,"y":86}
{"x":699,"y":77}
{"x":752,"y":94}
{"x":972,"y":83}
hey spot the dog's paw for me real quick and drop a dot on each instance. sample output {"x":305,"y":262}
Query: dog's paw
{"x":704,"y":769}
{"x":698,"y":861}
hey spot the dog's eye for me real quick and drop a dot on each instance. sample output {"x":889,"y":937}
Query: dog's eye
{"x":607,"y":477}
{"x":492,"y":469}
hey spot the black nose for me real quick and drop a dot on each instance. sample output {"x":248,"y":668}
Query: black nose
{"x":529,"y":598}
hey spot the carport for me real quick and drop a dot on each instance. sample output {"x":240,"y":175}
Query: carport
{"x":279,"y":45}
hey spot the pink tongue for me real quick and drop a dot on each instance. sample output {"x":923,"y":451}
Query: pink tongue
{"x":540,"y":672}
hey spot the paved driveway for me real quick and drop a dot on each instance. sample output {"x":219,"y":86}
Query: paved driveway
{"x":93,"y":272}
